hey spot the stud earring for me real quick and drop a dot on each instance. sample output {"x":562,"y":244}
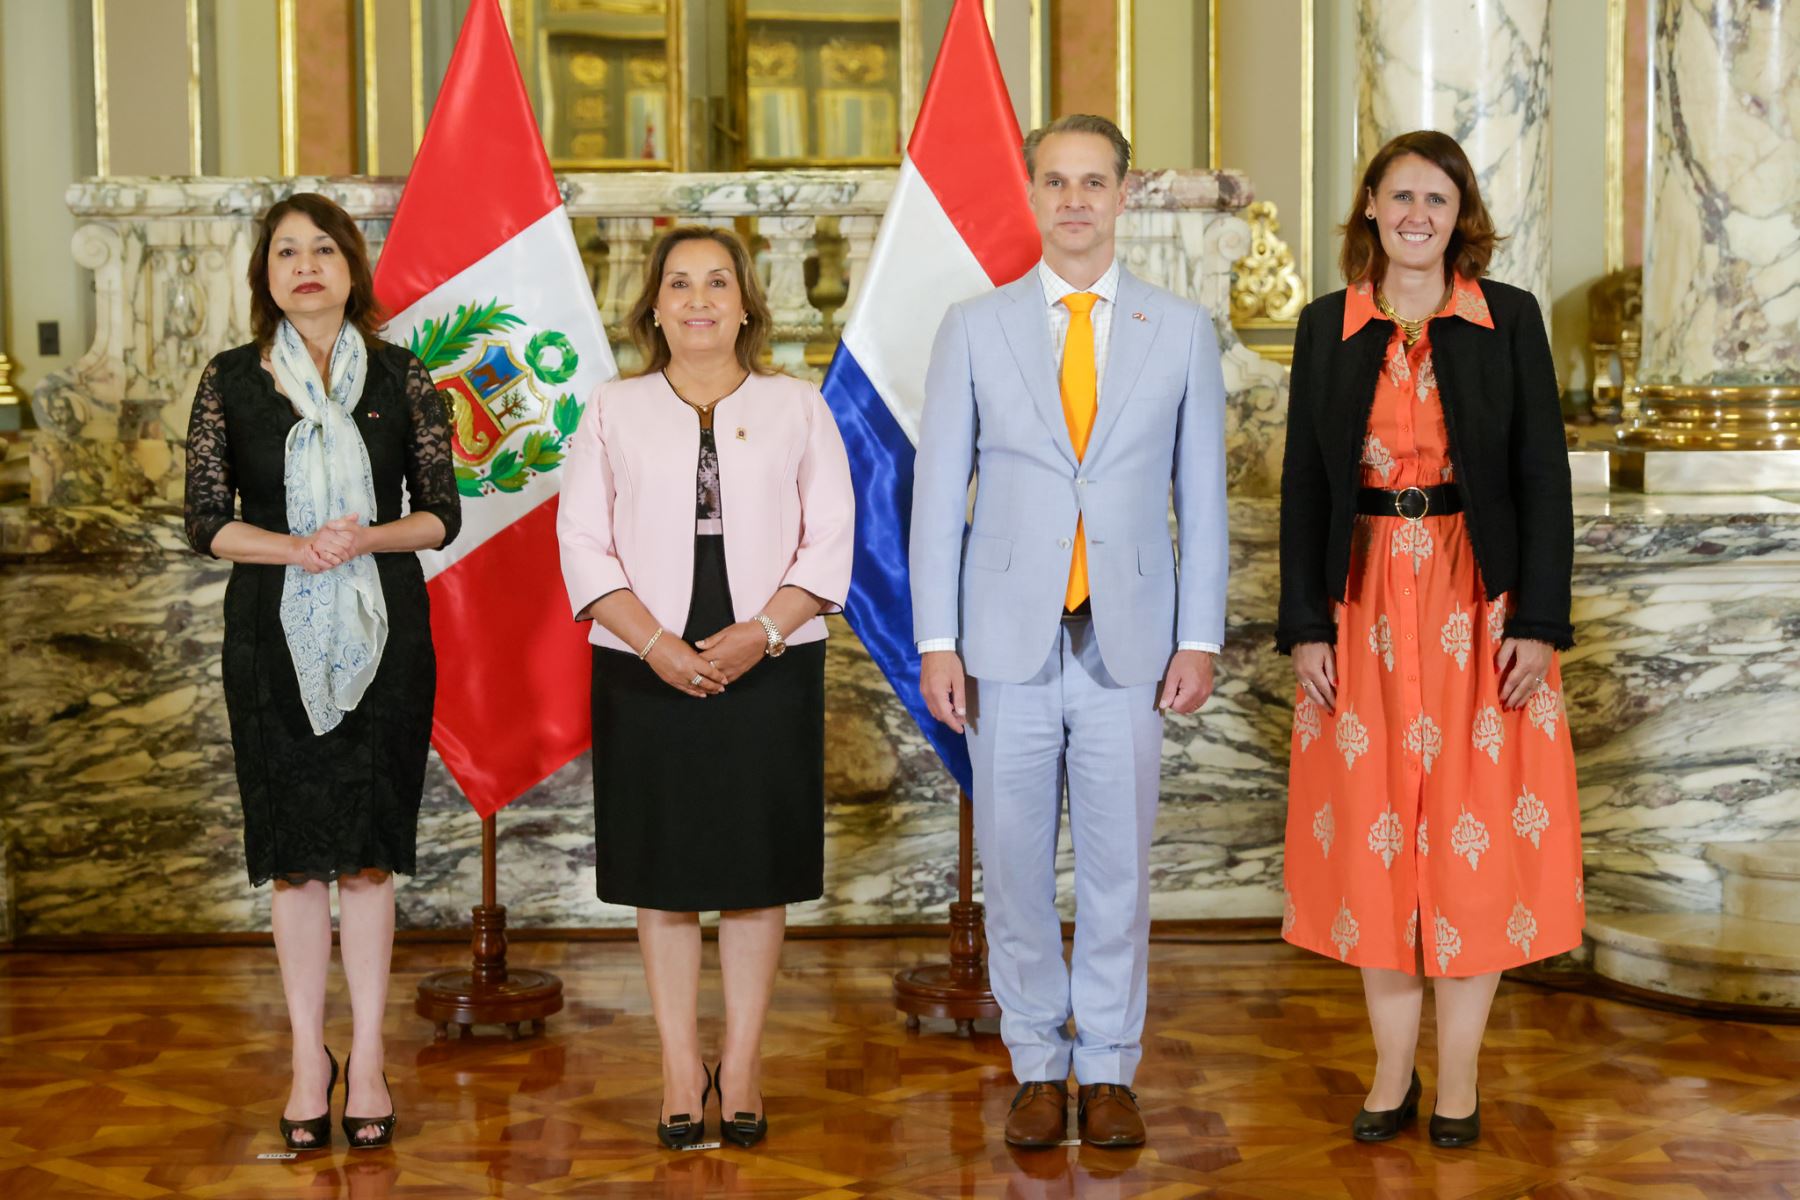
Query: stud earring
{"x":746,"y":319}
{"x":656,"y":320}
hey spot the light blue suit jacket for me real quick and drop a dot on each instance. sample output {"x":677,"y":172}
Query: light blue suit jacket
{"x":993,"y":410}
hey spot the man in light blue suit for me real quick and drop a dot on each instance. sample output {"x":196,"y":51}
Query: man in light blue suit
{"x":1077,"y":396}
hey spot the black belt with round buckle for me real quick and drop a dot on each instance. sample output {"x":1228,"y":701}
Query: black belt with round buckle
{"x":1413,"y":503}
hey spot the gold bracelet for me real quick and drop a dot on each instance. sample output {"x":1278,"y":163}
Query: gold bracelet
{"x":650,"y":645}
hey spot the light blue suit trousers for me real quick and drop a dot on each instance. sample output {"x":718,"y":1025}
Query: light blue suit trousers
{"x":1069,"y":726}
{"x":1061,"y":705}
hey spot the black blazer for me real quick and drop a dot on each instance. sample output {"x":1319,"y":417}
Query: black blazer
{"x":1498,"y":389}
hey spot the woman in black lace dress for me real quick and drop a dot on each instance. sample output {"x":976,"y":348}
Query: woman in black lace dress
{"x":328,"y":667}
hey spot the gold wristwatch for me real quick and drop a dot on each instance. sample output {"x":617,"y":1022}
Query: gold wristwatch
{"x":777,"y":644}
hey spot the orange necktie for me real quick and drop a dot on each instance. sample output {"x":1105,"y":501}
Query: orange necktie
{"x":1080,"y":400}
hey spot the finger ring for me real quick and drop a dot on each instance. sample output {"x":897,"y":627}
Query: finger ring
{"x":695,"y":681}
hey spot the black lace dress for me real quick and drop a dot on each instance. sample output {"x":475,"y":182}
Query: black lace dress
{"x":321,"y":806}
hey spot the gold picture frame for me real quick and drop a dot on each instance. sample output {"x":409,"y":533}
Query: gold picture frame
{"x":639,"y":97}
{"x":796,"y":116}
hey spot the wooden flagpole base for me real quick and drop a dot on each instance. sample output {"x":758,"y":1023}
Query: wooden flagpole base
{"x":487,"y":993}
{"x":956,"y":990}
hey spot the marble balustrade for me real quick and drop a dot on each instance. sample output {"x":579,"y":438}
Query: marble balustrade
{"x":169,"y":258}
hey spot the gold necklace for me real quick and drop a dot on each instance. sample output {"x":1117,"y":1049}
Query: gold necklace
{"x":698,"y":406}
{"x":1410,"y":330}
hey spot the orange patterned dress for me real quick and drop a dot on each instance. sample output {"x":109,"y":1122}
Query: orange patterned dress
{"x":1425,"y":819}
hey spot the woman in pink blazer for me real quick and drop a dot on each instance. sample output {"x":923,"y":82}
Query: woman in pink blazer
{"x":706,"y":527}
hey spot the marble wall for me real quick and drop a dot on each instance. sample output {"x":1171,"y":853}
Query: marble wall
{"x":122,"y":810}
{"x":1722,"y":254}
{"x":1478,"y":70}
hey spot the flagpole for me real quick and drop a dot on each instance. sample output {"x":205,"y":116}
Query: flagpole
{"x":488,"y":993}
{"x":956,"y":990}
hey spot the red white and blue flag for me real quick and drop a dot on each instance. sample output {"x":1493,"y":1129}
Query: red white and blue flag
{"x":484,"y":283}
{"x":959,"y":225}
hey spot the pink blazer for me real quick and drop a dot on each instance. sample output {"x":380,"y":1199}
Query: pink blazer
{"x":626,"y":518}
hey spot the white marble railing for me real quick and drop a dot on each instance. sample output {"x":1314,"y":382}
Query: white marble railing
{"x":169,"y":258}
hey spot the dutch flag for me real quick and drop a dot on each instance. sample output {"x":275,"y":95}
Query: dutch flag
{"x":959,"y":225}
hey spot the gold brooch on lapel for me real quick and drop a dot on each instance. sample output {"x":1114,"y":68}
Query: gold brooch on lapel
{"x":1140,"y":317}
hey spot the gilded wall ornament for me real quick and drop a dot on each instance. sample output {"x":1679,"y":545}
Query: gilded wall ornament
{"x":1265,"y":283}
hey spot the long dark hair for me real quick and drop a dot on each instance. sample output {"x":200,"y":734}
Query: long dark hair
{"x":753,"y":335}
{"x":360,"y":309}
{"x":1471,"y":243}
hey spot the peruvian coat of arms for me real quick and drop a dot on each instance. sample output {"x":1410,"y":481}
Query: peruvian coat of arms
{"x":507,"y":420}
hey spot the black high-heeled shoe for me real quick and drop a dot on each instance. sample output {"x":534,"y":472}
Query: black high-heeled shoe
{"x":1385,"y":1125}
{"x":353,"y":1124}
{"x":744,"y":1129}
{"x":1453,"y":1133}
{"x":319,"y":1127}
{"x":683,"y":1129}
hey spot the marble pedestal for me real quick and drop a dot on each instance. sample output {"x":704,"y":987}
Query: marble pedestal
{"x":1719,"y":472}
{"x":1590,"y":470}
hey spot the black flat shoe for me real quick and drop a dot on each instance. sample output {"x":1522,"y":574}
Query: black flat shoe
{"x":683,"y":1130}
{"x":318,"y":1127}
{"x":744,"y":1129}
{"x":352,"y":1124}
{"x":1385,"y":1126}
{"x":1455,"y":1132}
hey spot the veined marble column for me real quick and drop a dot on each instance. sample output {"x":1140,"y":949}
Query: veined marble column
{"x":1721,"y":318}
{"x":1478,"y":70}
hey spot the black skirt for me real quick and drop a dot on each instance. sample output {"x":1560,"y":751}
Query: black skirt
{"x":701,"y":805}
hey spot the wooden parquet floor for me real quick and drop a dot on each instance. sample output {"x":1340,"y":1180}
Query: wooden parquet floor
{"x":158,"y":1074}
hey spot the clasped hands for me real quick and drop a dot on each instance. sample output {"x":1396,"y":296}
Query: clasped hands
{"x":332,"y":545}
{"x":715,"y":661}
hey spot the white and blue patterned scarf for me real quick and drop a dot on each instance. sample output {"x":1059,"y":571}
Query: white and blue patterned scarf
{"x":336,"y":621}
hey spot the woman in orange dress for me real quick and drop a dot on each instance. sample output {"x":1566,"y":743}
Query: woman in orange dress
{"x":1426,"y":544}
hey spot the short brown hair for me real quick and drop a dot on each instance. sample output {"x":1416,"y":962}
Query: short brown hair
{"x":1079,"y":123}
{"x":360,"y":309}
{"x":1473,"y":240}
{"x":753,"y":336}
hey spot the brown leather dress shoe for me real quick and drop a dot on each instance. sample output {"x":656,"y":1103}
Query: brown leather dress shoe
{"x":1107,"y":1115}
{"x":1040,"y":1115}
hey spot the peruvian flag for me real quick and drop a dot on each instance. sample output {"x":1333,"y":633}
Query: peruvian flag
{"x":481,"y":274}
{"x":959,"y":225}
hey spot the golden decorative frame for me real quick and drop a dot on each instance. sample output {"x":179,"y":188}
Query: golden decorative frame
{"x":1039,"y":64}
{"x":530,"y":43}
{"x":371,"y":93}
{"x":102,"y":100}
{"x":416,"y":36}
{"x":1125,"y":50}
{"x":1213,"y":158}
{"x":1308,"y":96}
{"x":912,"y":85}
{"x":196,"y":114}
{"x":287,"y":48}
{"x":1615,"y":135}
